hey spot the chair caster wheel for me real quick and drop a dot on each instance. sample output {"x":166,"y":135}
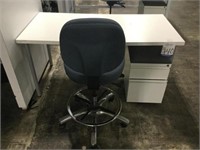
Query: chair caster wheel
{"x":95,"y":147}
{"x":123,"y":125}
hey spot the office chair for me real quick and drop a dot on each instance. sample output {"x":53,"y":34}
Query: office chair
{"x":111,"y":3}
{"x":93,"y":50}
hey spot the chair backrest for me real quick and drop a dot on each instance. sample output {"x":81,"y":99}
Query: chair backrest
{"x":92,"y":48}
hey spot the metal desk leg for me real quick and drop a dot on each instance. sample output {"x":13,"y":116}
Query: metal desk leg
{"x":33,"y":72}
{"x":49,"y":53}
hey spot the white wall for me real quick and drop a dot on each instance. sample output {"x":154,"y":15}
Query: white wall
{"x":14,"y":17}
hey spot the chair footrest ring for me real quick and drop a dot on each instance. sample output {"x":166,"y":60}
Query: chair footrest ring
{"x":97,"y":109}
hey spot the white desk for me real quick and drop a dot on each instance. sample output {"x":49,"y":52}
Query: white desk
{"x":139,"y":29}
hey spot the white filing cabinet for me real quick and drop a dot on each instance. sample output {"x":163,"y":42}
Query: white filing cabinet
{"x":153,"y":7}
{"x":146,"y":82}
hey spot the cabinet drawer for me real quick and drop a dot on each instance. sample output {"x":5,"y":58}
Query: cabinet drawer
{"x":146,"y":91}
{"x":149,"y":72}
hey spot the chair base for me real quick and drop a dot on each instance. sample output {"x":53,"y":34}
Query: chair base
{"x":94,"y":109}
{"x":66,"y":118}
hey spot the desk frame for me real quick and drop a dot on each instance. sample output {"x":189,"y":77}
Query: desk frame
{"x":32,"y":68}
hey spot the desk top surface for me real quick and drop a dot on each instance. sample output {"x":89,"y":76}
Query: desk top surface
{"x":139,"y":29}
